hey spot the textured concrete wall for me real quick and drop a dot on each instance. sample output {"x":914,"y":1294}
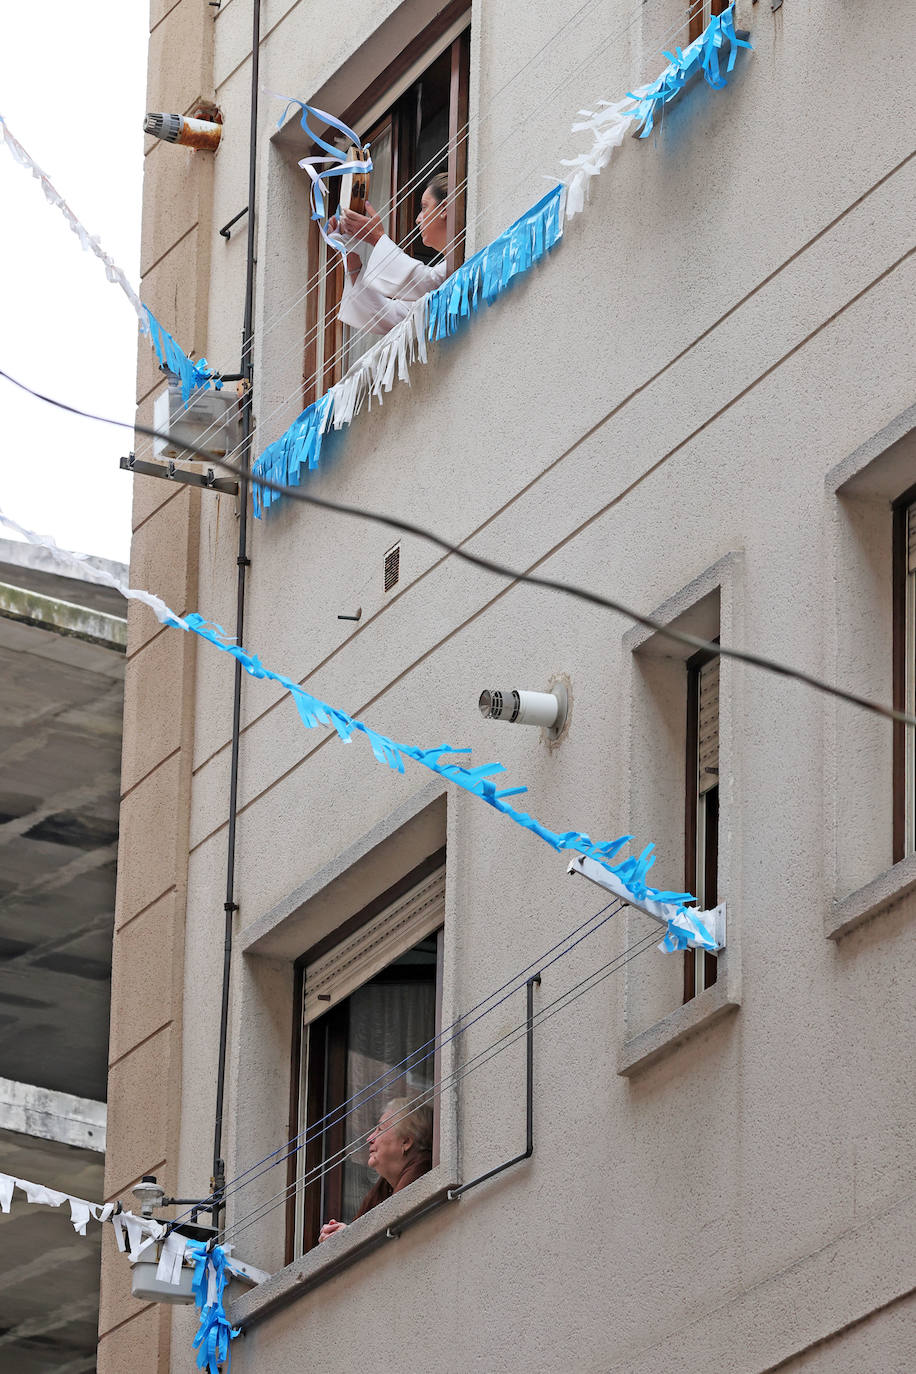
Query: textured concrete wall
{"x":145,"y":1046}
{"x":724,"y":1187}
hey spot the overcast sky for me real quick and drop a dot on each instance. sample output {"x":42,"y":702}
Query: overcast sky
{"x":72,"y":90}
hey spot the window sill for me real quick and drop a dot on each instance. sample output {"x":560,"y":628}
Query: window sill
{"x":874,"y":899}
{"x":678,"y":1026}
{"x":378,"y":1227}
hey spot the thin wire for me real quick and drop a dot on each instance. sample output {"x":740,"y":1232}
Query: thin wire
{"x":462,"y":233}
{"x":413,"y":234}
{"x":766,"y":664}
{"x":484,"y":1056}
{"x":436,"y":1042}
{"x":318,"y":1128}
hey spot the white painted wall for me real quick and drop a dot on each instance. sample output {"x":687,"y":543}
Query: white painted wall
{"x":730,"y":319}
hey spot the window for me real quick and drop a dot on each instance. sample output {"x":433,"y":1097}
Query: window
{"x":414,"y":116}
{"x":370,"y":995}
{"x":904,"y":651}
{"x":701,"y":11}
{"x":701,"y":811}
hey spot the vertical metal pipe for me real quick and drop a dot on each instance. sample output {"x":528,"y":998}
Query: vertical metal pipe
{"x":246,"y":369}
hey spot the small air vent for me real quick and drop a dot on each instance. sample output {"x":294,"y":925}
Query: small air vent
{"x":392,"y":567}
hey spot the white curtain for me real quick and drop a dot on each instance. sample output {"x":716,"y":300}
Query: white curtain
{"x":388,"y":1021}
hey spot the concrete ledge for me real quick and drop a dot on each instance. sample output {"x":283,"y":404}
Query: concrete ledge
{"x":679,"y":1025}
{"x":378,"y":1227}
{"x":874,"y":899}
{"x":63,"y":617}
{"x":340,"y":887}
{"x":47,"y":1115}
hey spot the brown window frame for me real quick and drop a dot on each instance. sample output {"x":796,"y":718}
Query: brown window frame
{"x":691,"y":818}
{"x":699,"y":20}
{"x":334,"y":1043}
{"x":402,"y":171}
{"x":899,"y":668}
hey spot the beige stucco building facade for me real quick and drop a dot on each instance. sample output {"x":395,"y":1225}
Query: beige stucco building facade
{"x":702,"y":405}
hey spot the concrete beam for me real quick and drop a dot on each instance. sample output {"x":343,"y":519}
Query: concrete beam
{"x":48,"y":1115}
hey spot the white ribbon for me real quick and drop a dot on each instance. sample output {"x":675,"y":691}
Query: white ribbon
{"x":88,"y":241}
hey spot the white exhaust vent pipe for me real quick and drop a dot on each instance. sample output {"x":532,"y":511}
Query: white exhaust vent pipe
{"x":522,"y":708}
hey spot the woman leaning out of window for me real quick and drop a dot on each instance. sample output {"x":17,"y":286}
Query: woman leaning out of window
{"x":400,"y":1152}
{"x":380,"y":291}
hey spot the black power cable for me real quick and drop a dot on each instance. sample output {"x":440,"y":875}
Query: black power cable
{"x":769,"y":665}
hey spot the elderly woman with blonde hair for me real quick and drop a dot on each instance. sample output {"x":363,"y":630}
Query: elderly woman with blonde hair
{"x":400,"y":1152}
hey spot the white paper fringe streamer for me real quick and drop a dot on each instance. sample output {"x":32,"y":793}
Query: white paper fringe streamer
{"x":89,"y":242}
{"x":68,"y":562}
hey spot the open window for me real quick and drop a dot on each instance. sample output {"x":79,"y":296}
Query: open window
{"x":370,"y":998}
{"x":701,"y":808}
{"x":701,"y":11}
{"x":904,"y":651}
{"x":414,"y":116}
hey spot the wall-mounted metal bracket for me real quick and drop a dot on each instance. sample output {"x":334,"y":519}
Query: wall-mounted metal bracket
{"x":224,"y":232}
{"x":663,"y":912}
{"x":455,"y":1193}
{"x":208,"y":480}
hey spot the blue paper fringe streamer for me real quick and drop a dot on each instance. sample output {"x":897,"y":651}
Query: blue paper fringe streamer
{"x":214,"y":1332}
{"x":485,"y":276}
{"x":312,"y":712}
{"x":488,"y":273}
{"x":193,"y":376}
{"x":701,"y":56}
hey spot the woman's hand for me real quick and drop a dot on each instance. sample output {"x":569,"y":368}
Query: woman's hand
{"x":368,"y":227}
{"x":330,"y":1228}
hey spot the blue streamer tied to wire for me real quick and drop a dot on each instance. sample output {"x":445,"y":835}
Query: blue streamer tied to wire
{"x":488,"y":273}
{"x":483,"y":277}
{"x":701,"y":56}
{"x":478,"y":781}
{"x":215,"y":1332}
{"x":193,"y":376}
{"x":339,"y":166}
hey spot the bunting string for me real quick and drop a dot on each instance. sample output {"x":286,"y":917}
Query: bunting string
{"x":488,"y":274}
{"x":684,"y":929}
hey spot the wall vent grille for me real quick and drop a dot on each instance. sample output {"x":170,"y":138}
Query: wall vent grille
{"x":392,"y":567}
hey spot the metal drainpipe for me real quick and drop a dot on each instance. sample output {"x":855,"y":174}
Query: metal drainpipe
{"x":230,"y":906}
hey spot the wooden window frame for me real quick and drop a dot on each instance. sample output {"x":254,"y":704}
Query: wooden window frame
{"x":325,"y":301}
{"x":706,"y":11}
{"x":710,"y":963}
{"x":333,"y":1138}
{"x":902,"y":844}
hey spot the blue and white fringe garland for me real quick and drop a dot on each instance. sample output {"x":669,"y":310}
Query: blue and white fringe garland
{"x":488,"y":273}
{"x":194,"y":376}
{"x":684,"y":929}
{"x":482,"y":279}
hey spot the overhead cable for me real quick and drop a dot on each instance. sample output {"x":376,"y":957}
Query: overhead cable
{"x":514,"y":575}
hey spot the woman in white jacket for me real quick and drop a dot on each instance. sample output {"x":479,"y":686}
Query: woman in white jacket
{"x":380,"y":291}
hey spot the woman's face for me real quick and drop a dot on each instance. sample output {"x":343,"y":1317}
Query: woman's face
{"x":386,"y":1149}
{"x":432,"y":221}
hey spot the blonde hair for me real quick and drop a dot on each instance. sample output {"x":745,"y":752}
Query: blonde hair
{"x":418,"y":1123}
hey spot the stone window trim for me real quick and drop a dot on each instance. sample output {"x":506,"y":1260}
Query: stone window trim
{"x":879,"y":472}
{"x":316,"y":911}
{"x":380,"y":1227}
{"x":686,"y":608}
{"x":876,"y":898}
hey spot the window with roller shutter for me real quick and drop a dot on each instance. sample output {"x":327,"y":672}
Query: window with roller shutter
{"x":701,"y":836}
{"x":904,"y":672}
{"x":369,"y":1000}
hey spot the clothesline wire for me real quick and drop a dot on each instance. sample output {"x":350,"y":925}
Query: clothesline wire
{"x":414,"y":233}
{"x":513,"y":575}
{"x":459,"y":1027}
{"x":477,"y":1061}
{"x":233,"y":1184}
